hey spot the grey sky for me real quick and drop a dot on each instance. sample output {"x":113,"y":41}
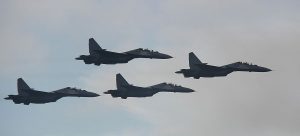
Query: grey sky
{"x":40,"y":39}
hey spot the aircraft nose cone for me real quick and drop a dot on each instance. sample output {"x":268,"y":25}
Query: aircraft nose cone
{"x":165,"y":56}
{"x":268,"y":70}
{"x":94,"y":95}
{"x":189,"y":90}
{"x":168,"y":56}
{"x":185,"y":90}
{"x":263,"y":69}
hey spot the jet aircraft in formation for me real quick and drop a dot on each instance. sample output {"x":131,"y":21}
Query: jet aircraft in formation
{"x":198,"y":69}
{"x":100,"y":56}
{"x":28,"y":95}
{"x":124,"y":89}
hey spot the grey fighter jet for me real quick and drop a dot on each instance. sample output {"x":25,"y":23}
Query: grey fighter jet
{"x":124,"y":89}
{"x":28,"y":95}
{"x":199,"y":69}
{"x":100,"y":56}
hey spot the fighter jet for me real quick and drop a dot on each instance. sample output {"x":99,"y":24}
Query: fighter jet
{"x":199,"y":69}
{"x":100,"y":56}
{"x":124,"y":89}
{"x":28,"y":95}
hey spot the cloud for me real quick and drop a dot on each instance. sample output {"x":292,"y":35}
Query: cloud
{"x":20,"y":51}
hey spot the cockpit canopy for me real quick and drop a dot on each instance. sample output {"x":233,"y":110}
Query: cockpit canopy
{"x":141,"y":51}
{"x":69,"y":90}
{"x":242,"y":65}
{"x":165,"y":86}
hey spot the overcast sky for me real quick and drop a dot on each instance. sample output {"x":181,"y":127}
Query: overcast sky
{"x":40,"y":39}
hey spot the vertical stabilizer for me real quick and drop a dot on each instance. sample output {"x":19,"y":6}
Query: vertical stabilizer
{"x":22,"y":86}
{"x":94,"y":47}
{"x":193,"y":60}
{"x":121,"y":82}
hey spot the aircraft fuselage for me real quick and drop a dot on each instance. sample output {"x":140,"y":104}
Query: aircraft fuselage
{"x":132,"y":91}
{"x":197,"y":73}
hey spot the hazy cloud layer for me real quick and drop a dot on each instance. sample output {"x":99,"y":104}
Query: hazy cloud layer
{"x":40,"y":39}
